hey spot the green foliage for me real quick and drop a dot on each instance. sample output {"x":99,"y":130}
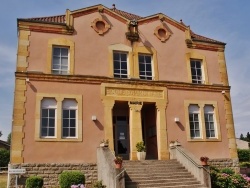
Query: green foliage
{"x":245,"y":164}
{"x":34,"y":182}
{"x":228,"y":171}
{"x":68,"y":178}
{"x":226,"y":178}
{"x":9,"y":139}
{"x":4,"y":157}
{"x":98,"y":184}
{"x":244,"y":155}
{"x":140,"y":147}
{"x":245,"y":138}
{"x":1,"y":133}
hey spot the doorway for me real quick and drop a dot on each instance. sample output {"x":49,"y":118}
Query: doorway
{"x":121,"y":129}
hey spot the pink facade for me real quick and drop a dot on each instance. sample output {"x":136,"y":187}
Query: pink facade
{"x":93,"y":66}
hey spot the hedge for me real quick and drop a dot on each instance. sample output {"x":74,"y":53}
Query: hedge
{"x":68,"y":178}
{"x":5,"y":157}
{"x":34,"y":182}
{"x":244,"y":155}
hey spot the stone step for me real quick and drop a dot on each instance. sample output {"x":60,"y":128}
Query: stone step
{"x":158,"y":176}
{"x":153,"y":173}
{"x":153,"y":183}
{"x":166,"y":186}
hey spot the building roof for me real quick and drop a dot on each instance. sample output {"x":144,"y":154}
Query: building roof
{"x":5,"y":144}
{"x":60,"y":19}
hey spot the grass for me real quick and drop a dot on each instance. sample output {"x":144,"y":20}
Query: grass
{"x":3,"y":180}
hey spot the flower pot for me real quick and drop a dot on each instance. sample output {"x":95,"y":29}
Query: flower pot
{"x":141,"y":155}
{"x":104,"y":145}
{"x":118,"y":165}
{"x":204,"y":163}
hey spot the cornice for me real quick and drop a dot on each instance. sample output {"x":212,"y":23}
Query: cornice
{"x":205,"y":45}
{"x":45,"y":27}
{"x":98,"y":80}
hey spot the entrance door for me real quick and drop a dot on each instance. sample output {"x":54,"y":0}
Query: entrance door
{"x":121,"y":136}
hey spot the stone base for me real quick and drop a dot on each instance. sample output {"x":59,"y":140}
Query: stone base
{"x":51,"y":171}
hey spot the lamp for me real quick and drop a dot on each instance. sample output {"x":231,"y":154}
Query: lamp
{"x":93,"y":118}
{"x":176,"y":119}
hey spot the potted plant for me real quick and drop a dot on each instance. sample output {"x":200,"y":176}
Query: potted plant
{"x":104,"y":143}
{"x":204,"y":160}
{"x":171,"y":144}
{"x":118,"y":162}
{"x":141,"y":150}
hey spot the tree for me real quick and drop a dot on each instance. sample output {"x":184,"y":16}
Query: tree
{"x":248,"y":137}
{"x":241,"y":137}
{"x":1,"y":133}
{"x":9,"y":139}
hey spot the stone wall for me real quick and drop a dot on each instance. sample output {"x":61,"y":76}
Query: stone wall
{"x":50,"y":172}
{"x":225,"y":163}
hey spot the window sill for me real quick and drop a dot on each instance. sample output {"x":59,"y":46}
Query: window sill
{"x":58,"y":140}
{"x":204,"y":140}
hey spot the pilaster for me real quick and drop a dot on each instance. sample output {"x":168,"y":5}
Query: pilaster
{"x":135,"y":127}
{"x":223,"y":68}
{"x":230,"y":127}
{"x":108,"y":122}
{"x":161,"y":129}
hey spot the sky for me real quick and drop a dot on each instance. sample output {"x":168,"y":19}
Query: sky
{"x":223,"y":20}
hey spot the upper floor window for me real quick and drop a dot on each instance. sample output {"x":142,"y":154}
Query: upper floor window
{"x":194,"y":121}
{"x":145,"y":67}
{"x":69,"y":118}
{"x":60,"y":60}
{"x":120,"y":63}
{"x":48,"y":117}
{"x":209,"y":121}
{"x":196,"y":71}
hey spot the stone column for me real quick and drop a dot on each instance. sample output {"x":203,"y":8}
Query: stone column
{"x":161,"y":129}
{"x":108,"y":122}
{"x":135,"y":128}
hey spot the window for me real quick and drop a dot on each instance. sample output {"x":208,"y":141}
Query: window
{"x":58,"y":117}
{"x":60,"y":62}
{"x":48,"y":117}
{"x":202,"y":120}
{"x":194,"y":121}
{"x":145,"y":67}
{"x":209,"y":121}
{"x":120,"y":65}
{"x":69,"y":117}
{"x":196,"y":71}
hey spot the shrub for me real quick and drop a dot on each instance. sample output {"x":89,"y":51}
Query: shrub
{"x":34,"y":182}
{"x":228,"y":179}
{"x":228,"y":171}
{"x":244,"y":155}
{"x":5,"y":157}
{"x":245,"y":164}
{"x":68,"y":178}
{"x":140,"y":147}
{"x":98,"y":184}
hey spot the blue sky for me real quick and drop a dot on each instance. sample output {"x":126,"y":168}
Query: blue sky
{"x":223,"y":20}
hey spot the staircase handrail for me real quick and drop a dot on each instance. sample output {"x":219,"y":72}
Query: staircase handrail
{"x":106,"y":170}
{"x":200,"y":172}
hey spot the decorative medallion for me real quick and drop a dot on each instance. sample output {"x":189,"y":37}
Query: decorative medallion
{"x":100,"y":25}
{"x":162,"y":33}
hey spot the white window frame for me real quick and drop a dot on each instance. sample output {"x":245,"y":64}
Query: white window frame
{"x":194,"y":110}
{"x":207,"y":113}
{"x":197,"y":80}
{"x":127,"y":62}
{"x":144,"y":63}
{"x":70,"y":105}
{"x":60,"y":70}
{"x":46,"y":104}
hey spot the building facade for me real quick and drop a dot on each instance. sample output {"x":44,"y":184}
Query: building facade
{"x":101,"y":73}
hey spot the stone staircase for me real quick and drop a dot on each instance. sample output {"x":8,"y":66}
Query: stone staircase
{"x":154,"y":173}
